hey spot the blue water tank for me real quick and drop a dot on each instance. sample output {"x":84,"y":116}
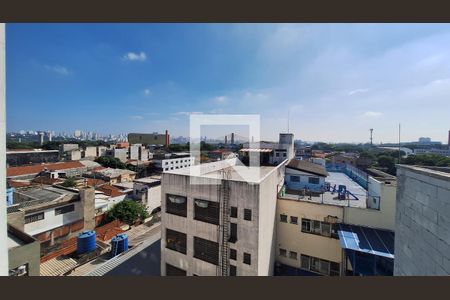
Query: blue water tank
{"x":119,"y":244}
{"x":86,"y":242}
{"x":9,"y":196}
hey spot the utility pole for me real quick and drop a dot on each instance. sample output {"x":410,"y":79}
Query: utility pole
{"x":371,"y":132}
{"x":399,"y":143}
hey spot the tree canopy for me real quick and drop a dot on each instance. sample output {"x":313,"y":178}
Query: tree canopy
{"x":128,"y":211}
{"x":110,"y":162}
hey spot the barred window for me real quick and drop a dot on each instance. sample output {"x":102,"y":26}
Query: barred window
{"x":295,"y":178}
{"x":318,"y":265}
{"x":313,"y":180}
{"x":64,"y":209}
{"x":233,"y":254}
{"x":206,"y":211}
{"x":294,"y":220}
{"x":206,"y":250}
{"x":283,"y":252}
{"x":176,"y":241}
{"x":34,"y":218}
{"x":292,"y":255}
{"x":283,"y":218}
{"x":176,"y":205}
{"x":247,"y":258}
{"x":233,"y":212}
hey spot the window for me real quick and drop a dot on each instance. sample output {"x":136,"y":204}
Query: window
{"x":34,"y":218}
{"x":294,"y":220}
{"x":206,"y":211}
{"x":233,"y":233}
{"x":306,"y":225}
{"x":313,"y":180}
{"x":233,"y":254}
{"x":174,"y":271}
{"x":284,"y":154}
{"x":176,"y":241}
{"x":247,"y":259}
{"x":234,"y":212}
{"x":316,"y":227}
{"x":247,"y":214}
{"x":64,"y":209}
{"x":326,"y":229}
{"x":318,"y":265}
{"x":277,"y":154}
{"x":292,"y":255}
{"x":176,"y":205}
{"x":283,"y":252}
{"x":283,"y":218}
{"x":232,"y":270}
{"x":295,"y":178}
{"x":206,"y":250}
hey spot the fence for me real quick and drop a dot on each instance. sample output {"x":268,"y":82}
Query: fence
{"x":354,"y":173}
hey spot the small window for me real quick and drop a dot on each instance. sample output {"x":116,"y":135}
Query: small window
{"x":247,"y":259}
{"x":284,"y":154}
{"x":294,"y":220}
{"x":326,"y":229}
{"x":293,"y":255}
{"x":277,"y":154}
{"x":233,"y":254}
{"x":306,"y":225}
{"x":232,"y":270}
{"x":313,"y":180}
{"x":316,"y":227}
{"x":34,"y":218}
{"x":247,"y":214}
{"x":64,"y":209}
{"x":283,"y":218}
{"x":233,"y":233}
{"x":234,"y":212}
{"x":283,"y":252}
{"x":295,"y":178}
{"x":304,"y":261}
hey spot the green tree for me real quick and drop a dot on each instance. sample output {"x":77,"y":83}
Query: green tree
{"x":110,"y":162}
{"x":387,"y":162}
{"x":128,"y":211}
{"x":69,"y":182}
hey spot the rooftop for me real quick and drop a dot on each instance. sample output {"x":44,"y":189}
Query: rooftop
{"x":17,"y":238}
{"x":113,"y":173}
{"x":34,"y":196}
{"x":442,"y":173}
{"x":307,"y":166}
{"x":215,"y":170}
{"x":35,"y":169}
{"x":331,"y":198}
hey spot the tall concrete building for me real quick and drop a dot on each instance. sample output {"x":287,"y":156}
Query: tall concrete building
{"x":422,"y":230}
{"x":149,"y":138}
{"x":220,"y":222}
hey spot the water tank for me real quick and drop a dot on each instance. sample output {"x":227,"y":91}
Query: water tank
{"x":9,"y":196}
{"x":86,"y":242}
{"x":119,"y":244}
{"x":286,"y":138}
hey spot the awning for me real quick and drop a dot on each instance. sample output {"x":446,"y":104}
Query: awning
{"x":368,"y":240}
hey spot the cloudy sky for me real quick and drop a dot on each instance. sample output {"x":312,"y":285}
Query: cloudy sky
{"x":336,"y":80}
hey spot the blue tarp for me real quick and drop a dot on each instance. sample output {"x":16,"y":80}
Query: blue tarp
{"x":368,"y":240}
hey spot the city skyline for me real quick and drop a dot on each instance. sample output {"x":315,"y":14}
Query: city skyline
{"x":336,"y":81}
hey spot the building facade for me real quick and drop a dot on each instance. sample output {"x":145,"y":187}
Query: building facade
{"x":422,"y":234}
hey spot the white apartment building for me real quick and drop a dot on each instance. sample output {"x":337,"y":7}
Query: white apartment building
{"x":175,"y":163}
{"x":217,"y":223}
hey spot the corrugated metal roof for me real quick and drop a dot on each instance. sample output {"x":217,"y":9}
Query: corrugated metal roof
{"x":57,"y":266}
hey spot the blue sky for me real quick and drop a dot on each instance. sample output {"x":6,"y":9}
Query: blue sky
{"x":336,"y":80}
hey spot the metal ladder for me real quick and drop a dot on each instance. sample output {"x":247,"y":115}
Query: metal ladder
{"x":223,"y":234}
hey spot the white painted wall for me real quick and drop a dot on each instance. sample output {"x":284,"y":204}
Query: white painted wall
{"x":51,"y":221}
{"x":304,"y":180}
{"x":177,"y":163}
{"x":3,"y":228}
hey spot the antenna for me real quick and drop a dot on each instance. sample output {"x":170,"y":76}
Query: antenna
{"x":288,"y":122}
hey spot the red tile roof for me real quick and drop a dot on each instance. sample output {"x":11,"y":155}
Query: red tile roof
{"x":18,"y":184}
{"x":94,"y":182}
{"x":110,"y":190}
{"x":34,"y":169}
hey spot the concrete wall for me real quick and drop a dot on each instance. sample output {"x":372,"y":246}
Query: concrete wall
{"x":422,"y":231}
{"x":3,"y":230}
{"x":28,"y":253}
{"x":90,"y":152}
{"x":87,"y":197}
{"x":291,"y":238}
{"x":384,"y":218}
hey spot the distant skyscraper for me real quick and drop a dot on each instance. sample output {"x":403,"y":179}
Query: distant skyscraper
{"x":77,"y":133}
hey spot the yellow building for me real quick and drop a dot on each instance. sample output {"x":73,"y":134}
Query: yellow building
{"x":311,"y":227}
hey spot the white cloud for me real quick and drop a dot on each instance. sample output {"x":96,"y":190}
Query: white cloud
{"x":137,"y":117}
{"x":187,"y":113}
{"x":371,"y":114}
{"x":147,"y":92}
{"x":135,"y":56}
{"x":221,"y":99}
{"x":58,"y":69}
{"x":357,"y":91}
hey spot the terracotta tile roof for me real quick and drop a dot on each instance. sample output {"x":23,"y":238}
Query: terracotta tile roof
{"x":34,"y":169}
{"x":110,"y":190}
{"x":98,"y":168}
{"x":94,"y":182}
{"x":46,"y":180}
{"x":18,"y":184}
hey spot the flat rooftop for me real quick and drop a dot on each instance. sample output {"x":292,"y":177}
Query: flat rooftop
{"x":215,"y":170}
{"x":331,"y":198}
{"x":36,"y":196}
